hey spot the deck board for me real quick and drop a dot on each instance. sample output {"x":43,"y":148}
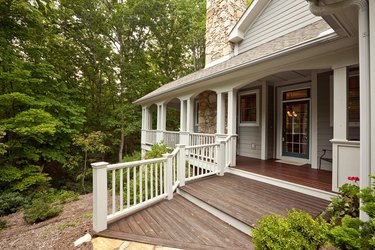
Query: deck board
{"x":178,"y":223}
{"x":247,"y":200}
{"x":303,"y":175}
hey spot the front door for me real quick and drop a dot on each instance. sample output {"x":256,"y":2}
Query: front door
{"x":295,"y":138}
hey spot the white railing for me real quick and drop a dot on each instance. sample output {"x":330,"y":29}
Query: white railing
{"x":201,"y":139}
{"x":133,"y":186}
{"x":201,"y":161}
{"x":150,"y":136}
{"x":171,"y":138}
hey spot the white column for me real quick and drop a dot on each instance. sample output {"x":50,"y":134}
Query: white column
{"x":232,"y":123}
{"x":339,"y":118}
{"x":100,"y":209}
{"x":364,"y":102}
{"x":314,"y":120}
{"x":372,"y":81}
{"x":162,"y":110}
{"x":182,"y":116}
{"x":339,"y":103}
{"x":263,"y":123}
{"x":220,"y":114}
{"x":190,"y":115}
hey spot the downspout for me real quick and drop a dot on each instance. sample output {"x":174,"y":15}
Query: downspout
{"x":364,"y":74}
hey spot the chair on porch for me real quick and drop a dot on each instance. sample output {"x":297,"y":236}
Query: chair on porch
{"x":323,"y":157}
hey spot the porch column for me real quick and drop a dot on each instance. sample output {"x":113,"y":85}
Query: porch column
{"x":372,"y":82}
{"x":220,"y":114}
{"x":162,"y":114}
{"x":184,"y":121}
{"x":264,"y":123}
{"x":339,"y":119}
{"x":232,"y":123}
{"x":314,"y":120}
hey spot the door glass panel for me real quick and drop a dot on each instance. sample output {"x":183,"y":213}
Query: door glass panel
{"x":296,"y":129}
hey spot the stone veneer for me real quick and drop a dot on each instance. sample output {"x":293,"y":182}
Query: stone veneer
{"x":208,"y":111}
{"x":221,"y":17}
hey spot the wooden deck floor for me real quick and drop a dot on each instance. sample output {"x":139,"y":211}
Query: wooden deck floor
{"x":178,"y":223}
{"x":248,"y":200}
{"x":303,"y":175}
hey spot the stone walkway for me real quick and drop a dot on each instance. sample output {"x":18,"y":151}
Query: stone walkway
{"x":101,"y":243}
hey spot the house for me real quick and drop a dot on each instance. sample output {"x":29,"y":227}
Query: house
{"x":287,"y":80}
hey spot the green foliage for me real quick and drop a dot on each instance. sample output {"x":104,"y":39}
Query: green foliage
{"x":3,"y":224}
{"x":41,"y":210}
{"x":157,"y":151}
{"x":11,"y":203}
{"x":354,"y":233}
{"x":346,"y":203}
{"x":296,"y":231}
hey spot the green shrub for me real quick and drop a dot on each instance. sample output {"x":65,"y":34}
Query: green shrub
{"x":41,"y":210}
{"x":296,"y":231}
{"x":3,"y":224}
{"x":346,"y":203}
{"x":157,"y":151}
{"x":11,"y":203}
{"x":353,"y":233}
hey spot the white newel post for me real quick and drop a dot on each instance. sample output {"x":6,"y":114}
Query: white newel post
{"x":182,"y":164}
{"x":99,"y":196}
{"x":221,"y":157}
{"x":168,"y":176}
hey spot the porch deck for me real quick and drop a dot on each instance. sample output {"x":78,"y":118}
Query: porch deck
{"x":181,"y":224}
{"x":178,"y":223}
{"x":303,"y":175}
{"x":248,"y":200}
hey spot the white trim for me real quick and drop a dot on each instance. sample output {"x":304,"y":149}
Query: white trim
{"x":249,"y":92}
{"x":248,"y":18}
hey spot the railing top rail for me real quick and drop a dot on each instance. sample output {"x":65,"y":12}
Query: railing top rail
{"x":134,"y":163}
{"x":202,"y":146}
{"x":202,"y":134}
{"x":172,"y":132}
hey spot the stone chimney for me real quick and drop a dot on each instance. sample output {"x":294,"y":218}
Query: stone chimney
{"x":222,"y":16}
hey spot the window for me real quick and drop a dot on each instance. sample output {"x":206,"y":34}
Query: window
{"x":248,"y":105}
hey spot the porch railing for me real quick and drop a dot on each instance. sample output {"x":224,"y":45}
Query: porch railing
{"x":133,"y":186}
{"x":201,"y":139}
{"x":171,"y":138}
{"x":150,"y":136}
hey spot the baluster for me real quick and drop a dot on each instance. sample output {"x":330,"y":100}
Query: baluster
{"x":113,"y":191}
{"x":127,"y":187}
{"x":140,"y":184}
{"x":152,"y":180}
{"x":121,"y":189}
{"x":135,"y":185}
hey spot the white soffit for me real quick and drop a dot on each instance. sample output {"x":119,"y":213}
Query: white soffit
{"x":250,"y":15}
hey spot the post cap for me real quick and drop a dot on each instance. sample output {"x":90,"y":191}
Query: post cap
{"x":98,"y":165}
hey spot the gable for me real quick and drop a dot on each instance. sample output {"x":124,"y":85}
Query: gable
{"x":268,"y":22}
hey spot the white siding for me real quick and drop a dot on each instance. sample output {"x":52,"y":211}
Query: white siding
{"x":249,"y":136}
{"x":280,"y":17}
{"x":325,"y":131}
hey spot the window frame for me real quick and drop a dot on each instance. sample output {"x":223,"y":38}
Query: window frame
{"x":257,"y":108}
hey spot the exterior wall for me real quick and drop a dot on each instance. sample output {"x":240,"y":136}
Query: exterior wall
{"x":325,"y":128}
{"x":207,"y":112}
{"x":221,"y":17}
{"x":279,"y":18}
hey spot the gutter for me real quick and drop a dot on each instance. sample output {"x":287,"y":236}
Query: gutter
{"x":364,"y":73}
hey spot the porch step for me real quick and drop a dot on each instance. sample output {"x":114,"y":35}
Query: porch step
{"x":322,"y":194}
{"x":242,"y":201}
